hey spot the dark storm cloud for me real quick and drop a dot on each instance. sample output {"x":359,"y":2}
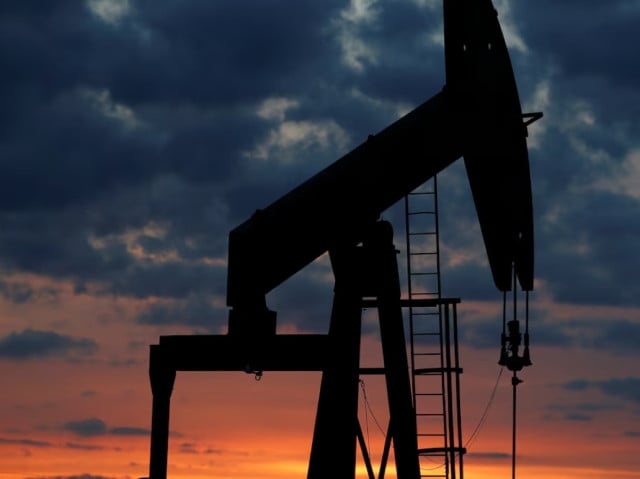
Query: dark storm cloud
{"x":616,"y":336}
{"x":408,"y":65}
{"x":110,"y":125}
{"x":472,"y":280}
{"x":150,"y":279}
{"x":61,"y":248}
{"x":16,"y":292}
{"x":223,"y":51}
{"x":581,"y":52}
{"x":169,"y":52}
{"x":113,"y":125}
{"x":486,"y":333}
{"x":627,"y":389}
{"x":306,"y":299}
{"x":133,"y":121}
{"x":585,"y":38}
{"x":31,"y":343}
{"x":580,"y":412}
{"x":196,"y":311}
{"x":602,"y":222}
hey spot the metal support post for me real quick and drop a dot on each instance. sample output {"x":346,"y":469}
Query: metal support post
{"x":162,"y":377}
{"x":333,"y":451}
{"x":394,"y":351}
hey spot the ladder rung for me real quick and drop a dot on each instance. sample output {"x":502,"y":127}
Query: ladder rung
{"x":426,"y":371}
{"x":415,"y":302}
{"x":429,"y":394}
{"x":420,"y":193}
{"x":441,"y":450}
{"x":424,"y":274}
{"x":424,"y":253}
{"x":422,"y":212}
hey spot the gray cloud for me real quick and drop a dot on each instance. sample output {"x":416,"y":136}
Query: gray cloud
{"x":193,"y":448}
{"x":32,"y":343}
{"x":25,"y":442}
{"x":86,"y":427}
{"x":492,"y":456}
{"x":129,"y":431}
{"x":74,"y":476}
{"x":578,"y":417}
{"x":83,"y":447}
{"x":91,"y":427}
{"x":188,"y":448}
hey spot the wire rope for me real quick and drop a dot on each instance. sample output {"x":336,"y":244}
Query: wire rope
{"x":485,"y":413}
{"x":368,"y":407}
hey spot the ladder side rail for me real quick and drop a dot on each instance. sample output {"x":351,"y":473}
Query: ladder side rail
{"x":458,"y":371}
{"x":449,"y":413}
{"x":444,"y":380}
{"x":437,"y":231}
{"x":407,"y":212}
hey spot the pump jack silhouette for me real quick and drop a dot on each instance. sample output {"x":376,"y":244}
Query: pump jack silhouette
{"x":478,"y":116}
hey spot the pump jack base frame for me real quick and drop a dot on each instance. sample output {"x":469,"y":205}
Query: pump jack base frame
{"x":362,"y":273}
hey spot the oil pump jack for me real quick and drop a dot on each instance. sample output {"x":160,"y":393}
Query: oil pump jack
{"x":477,"y":116}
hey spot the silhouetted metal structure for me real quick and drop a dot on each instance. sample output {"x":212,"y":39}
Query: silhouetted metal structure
{"x":477,"y":116}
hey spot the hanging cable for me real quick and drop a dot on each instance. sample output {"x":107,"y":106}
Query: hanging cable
{"x":368,"y":408}
{"x":485,"y":413}
{"x":481,"y":422}
{"x":366,"y":415}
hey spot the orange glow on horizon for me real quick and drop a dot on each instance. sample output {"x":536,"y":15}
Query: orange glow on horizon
{"x":229,"y":426}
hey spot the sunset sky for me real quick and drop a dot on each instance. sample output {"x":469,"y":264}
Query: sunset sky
{"x":135,"y":134}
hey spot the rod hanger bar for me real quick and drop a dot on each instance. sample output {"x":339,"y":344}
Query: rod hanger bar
{"x":531,"y":117}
